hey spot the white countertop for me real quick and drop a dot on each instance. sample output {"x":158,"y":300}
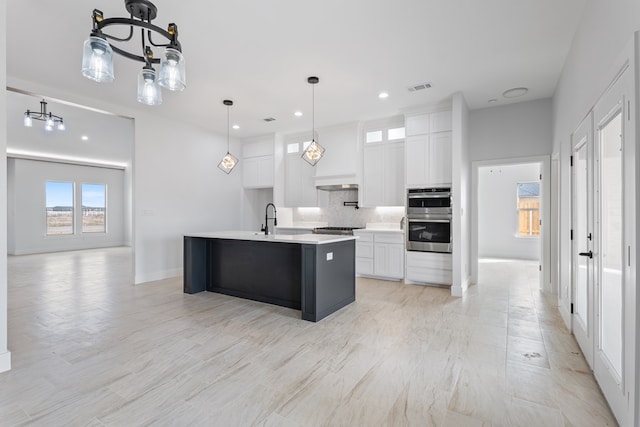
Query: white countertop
{"x":308,"y":239}
{"x":379,"y":230}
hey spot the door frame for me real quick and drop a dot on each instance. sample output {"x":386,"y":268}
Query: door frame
{"x":545,"y":214}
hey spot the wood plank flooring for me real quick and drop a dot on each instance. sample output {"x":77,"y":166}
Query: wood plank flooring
{"x":91,"y":349}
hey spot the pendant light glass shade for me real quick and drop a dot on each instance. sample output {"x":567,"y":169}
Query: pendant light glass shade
{"x":172,"y":70}
{"x":97,"y":60}
{"x":28,"y":121}
{"x":313,"y":153}
{"x":149,"y":92}
{"x":228,"y":162}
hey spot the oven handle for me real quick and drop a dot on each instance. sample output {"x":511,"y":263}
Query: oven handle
{"x":429,"y":196}
{"x":430,"y":220}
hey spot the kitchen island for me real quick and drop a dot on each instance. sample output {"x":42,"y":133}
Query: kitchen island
{"x":313,"y":273}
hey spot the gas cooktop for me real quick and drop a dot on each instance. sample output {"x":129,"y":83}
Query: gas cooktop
{"x":346,"y":231}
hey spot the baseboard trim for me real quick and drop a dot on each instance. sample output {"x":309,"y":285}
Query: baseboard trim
{"x":5,"y":361}
{"x":157,"y":275}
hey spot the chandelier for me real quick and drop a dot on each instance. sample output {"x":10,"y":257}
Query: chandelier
{"x":50,"y":119}
{"x":314,"y":151}
{"x":97,"y":58}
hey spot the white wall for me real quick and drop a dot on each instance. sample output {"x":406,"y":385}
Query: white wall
{"x":497,"y":215}
{"x":178,"y":189}
{"x":510,"y":131}
{"x":5,"y":355}
{"x":26,"y":205}
{"x":461,"y":167}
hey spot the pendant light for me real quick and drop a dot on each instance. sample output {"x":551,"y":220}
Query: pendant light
{"x":314,"y":151}
{"x":229,"y":161}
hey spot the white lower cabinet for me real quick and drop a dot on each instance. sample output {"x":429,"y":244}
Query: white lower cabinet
{"x":429,"y":268}
{"x":380,"y":254}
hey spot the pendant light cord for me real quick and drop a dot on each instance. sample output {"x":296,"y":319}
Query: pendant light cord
{"x":313,"y":112}
{"x":227,"y":129}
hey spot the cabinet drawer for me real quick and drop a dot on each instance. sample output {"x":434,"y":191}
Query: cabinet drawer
{"x":389,"y":238}
{"x":363,"y":236}
{"x":429,"y":275}
{"x":364,"y":249}
{"x":430,"y":260}
{"x":364,"y":266}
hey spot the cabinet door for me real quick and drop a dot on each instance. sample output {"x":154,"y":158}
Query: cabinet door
{"x":439,"y":163}
{"x":381,"y":259}
{"x":265,"y":171}
{"x":416,"y":125}
{"x":300,"y":190}
{"x":250,"y":172}
{"x":394,"y":174}
{"x":440,"y":121}
{"x":416,"y":149}
{"x":395,"y":261}
{"x":373,"y":175}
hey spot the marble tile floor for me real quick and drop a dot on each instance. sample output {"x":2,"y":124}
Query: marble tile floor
{"x":91,"y":349}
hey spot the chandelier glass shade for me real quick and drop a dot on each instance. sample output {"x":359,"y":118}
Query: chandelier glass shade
{"x":314,"y":152}
{"x":229,"y":161}
{"x":51,"y":120}
{"x":97,"y":57}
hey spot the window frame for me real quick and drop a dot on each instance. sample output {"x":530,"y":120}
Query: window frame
{"x":89,"y":233}
{"x":73,"y":210}
{"x":519,"y":209}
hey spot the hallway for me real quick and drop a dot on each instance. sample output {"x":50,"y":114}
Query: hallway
{"x":89,"y":348}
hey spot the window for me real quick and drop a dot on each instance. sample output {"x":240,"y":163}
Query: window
{"x":529,"y":209}
{"x":94,"y":197}
{"x":395,"y":133}
{"x":59,"y":207}
{"x":374,"y":136}
{"x":293,"y":148}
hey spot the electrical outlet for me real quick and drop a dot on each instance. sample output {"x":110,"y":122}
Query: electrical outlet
{"x":329,"y":256}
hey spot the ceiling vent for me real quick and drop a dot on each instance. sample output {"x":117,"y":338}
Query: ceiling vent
{"x":419,"y":87}
{"x":269,"y":119}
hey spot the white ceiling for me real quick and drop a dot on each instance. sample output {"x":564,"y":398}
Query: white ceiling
{"x":259,"y":54}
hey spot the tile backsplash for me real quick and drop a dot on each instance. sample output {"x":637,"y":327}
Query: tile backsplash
{"x":336,"y":214}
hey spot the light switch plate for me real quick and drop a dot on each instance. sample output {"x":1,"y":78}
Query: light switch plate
{"x":329,"y":256}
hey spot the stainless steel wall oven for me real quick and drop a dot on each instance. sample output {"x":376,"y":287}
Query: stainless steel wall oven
{"x":429,"y":217}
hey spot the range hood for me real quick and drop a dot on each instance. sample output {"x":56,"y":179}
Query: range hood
{"x":337,"y":187}
{"x":336,"y":182}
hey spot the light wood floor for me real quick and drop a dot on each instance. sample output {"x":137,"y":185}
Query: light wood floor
{"x":89,"y":348}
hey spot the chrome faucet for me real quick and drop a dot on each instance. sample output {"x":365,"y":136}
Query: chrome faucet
{"x":266,"y":219}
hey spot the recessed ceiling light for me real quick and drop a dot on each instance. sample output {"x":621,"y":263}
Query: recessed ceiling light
{"x":236,"y":127}
{"x":383,"y":95}
{"x":84,"y":137}
{"x":515,"y":92}
{"x":492,"y":101}
{"x":298,"y":114}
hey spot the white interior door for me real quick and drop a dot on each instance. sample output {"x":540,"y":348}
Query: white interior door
{"x":582,"y":248}
{"x":613,"y":129}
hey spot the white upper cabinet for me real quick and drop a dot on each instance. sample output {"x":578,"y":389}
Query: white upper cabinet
{"x":339,"y":165}
{"x":428,"y":154}
{"x":299,"y":185}
{"x":257,"y":162}
{"x":383,"y":163}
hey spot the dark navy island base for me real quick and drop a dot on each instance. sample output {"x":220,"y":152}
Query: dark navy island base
{"x":317,"y":279}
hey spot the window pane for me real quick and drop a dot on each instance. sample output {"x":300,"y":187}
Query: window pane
{"x":94,"y":198}
{"x":374,"y":136}
{"x":529,"y":209}
{"x":396,"y":133}
{"x":293,"y":148}
{"x":59,"y":207}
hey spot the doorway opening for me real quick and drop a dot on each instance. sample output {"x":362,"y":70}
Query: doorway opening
{"x":510,"y":212}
